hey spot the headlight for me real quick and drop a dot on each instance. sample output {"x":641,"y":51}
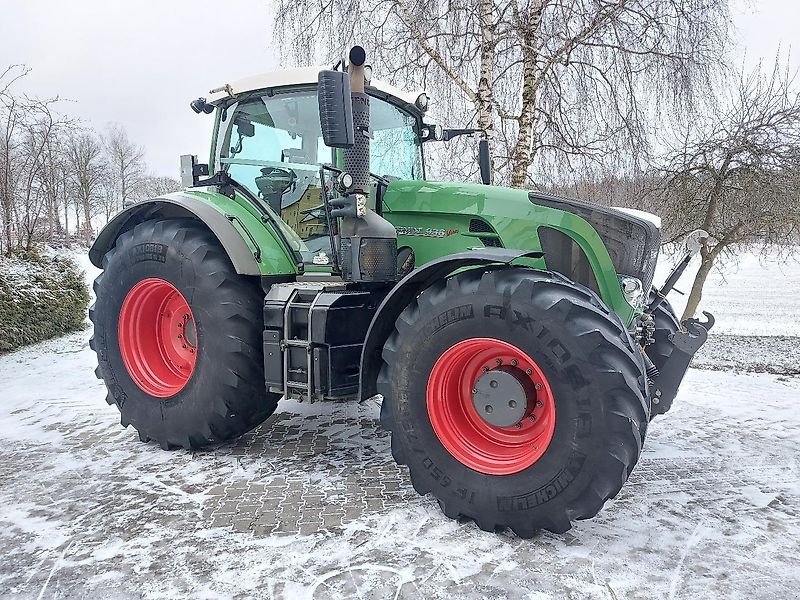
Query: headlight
{"x":632,"y":289}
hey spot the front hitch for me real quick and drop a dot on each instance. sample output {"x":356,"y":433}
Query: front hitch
{"x":686,"y":343}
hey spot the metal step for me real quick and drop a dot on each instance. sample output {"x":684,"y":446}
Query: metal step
{"x":297,"y":301}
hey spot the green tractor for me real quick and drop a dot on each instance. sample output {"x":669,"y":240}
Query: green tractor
{"x":514,"y":336}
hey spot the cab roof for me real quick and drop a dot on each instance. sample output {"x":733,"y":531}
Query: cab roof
{"x":295,"y":77}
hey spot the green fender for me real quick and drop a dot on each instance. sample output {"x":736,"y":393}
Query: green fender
{"x":250,"y":241}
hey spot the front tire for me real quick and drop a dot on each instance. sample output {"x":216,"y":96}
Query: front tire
{"x":178,"y":338}
{"x":535,"y":335}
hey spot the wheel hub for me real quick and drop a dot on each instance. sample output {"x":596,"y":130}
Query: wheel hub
{"x":491,"y":406}
{"x":500,"y":398}
{"x":157,"y":337}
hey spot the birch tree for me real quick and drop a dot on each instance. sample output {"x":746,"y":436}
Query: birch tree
{"x":557,"y":84}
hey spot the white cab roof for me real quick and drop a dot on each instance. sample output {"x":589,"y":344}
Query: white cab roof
{"x":294,"y":77}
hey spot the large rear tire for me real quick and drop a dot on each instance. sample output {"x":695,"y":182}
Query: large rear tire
{"x":533,"y":336}
{"x":178,"y":336}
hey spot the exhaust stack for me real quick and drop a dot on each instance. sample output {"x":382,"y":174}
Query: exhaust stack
{"x":368,"y":242}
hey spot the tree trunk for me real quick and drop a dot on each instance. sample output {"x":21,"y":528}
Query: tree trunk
{"x":523,"y":149}
{"x":87,"y":221}
{"x":697,"y":287}
{"x":66,"y":223}
{"x":483,"y":99}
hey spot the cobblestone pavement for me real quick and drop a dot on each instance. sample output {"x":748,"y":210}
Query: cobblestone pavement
{"x":310,"y":504}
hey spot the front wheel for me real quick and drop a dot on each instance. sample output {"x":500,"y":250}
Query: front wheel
{"x":515,"y":398}
{"x":178,"y":338}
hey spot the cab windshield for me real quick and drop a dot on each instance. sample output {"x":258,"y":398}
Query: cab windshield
{"x":273,"y":145}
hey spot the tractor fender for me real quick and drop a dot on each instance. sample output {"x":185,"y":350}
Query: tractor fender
{"x":409,"y":288}
{"x":244,"y":258}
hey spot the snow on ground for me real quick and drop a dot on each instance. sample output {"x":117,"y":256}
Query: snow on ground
{"x":755,"y":295}
{"x":310,"y":504}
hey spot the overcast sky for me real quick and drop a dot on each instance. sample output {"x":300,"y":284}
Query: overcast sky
{"x":140,"y":63}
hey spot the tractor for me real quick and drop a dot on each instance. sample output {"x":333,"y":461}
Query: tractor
{"x":515,"y":337}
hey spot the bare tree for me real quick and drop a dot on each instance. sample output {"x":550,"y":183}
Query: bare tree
{"x":56,"y":175}
{"x":552,"y":81}
{"x":41,"y":127}
{"x":87,"y":169}
{"x":12,"y":114}
{"x":126,"y":164}
{"x":154,"y":186}
{"x":737,"y":174}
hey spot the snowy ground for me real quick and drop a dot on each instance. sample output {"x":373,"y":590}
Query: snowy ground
{"x":311,"y":505}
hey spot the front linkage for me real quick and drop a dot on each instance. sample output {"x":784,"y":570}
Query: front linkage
{"x":685,"y":343}
{"x":674,"y":344}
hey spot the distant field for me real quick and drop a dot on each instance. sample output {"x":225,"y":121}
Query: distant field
{"x":754,"y":297}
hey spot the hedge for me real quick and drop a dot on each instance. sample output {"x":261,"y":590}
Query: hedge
{"x":40,"y":297}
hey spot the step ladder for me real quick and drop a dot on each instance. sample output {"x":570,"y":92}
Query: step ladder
{"x":298,"y":379}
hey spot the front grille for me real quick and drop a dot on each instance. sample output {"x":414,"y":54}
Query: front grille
{"x":632,"y":243}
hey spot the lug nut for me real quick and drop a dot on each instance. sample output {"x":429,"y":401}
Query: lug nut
{"x":498,"y":361}
{"x":539,"y":404}
{"x":538,"y":386}
{"x":514,"y":362}
{"x":485,"y":369}
{"x":518,"y":425}
{"x":528,"y":371}
{"x":474,"y":390}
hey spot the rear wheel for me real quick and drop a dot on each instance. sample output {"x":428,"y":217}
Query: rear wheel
{"x":178,"y":336}
{"x":515,"y":398}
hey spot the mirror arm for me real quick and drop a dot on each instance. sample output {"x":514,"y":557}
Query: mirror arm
{"x":449,"y":134}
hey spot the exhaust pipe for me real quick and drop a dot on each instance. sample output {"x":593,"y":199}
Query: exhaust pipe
{"x":368,"y":242}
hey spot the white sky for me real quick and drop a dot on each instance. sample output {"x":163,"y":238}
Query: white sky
{"x":140,"y":63}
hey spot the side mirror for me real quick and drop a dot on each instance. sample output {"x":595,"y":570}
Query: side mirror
{"x":335,"y":109}
{"x":485,"y":161}
{"x":245,"y":128}
{"x":431,"y":133}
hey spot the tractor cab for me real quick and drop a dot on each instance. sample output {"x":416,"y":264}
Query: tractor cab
{"x":268,"y":138}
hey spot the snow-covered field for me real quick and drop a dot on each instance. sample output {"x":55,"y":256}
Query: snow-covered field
{"x":754,"y":295}
{"x":86,"y":510}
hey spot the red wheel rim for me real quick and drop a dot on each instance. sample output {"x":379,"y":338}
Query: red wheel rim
{"x":157,"y":337}
{"x":464,"y":433}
